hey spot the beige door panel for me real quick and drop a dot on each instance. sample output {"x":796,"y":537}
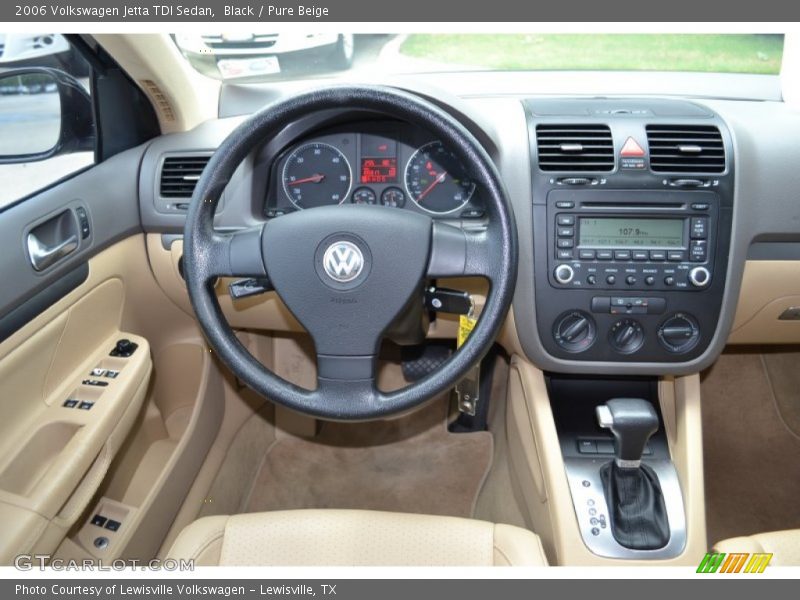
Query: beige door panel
{"x":55,"y":456}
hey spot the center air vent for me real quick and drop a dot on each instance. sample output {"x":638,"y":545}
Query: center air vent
{"x":575,"y":147}
{"x":179,"y":175}
{"x":686,"y":149}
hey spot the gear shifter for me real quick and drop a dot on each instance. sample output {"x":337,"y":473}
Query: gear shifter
{"x":632,"y":421}
{"x":633,"y":494}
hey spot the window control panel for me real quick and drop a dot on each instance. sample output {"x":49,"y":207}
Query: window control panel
{"x":105,"y":523}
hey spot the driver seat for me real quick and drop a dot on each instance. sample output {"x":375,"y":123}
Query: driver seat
{"x":332,"y":537}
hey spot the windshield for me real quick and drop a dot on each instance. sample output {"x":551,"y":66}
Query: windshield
{"x":275,"y":56}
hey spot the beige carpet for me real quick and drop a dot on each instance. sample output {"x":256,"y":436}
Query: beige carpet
{"x":752,"y":454}
{"x":410,"y":464}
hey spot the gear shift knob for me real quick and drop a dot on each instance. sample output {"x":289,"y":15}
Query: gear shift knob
{"x":632,"y":421}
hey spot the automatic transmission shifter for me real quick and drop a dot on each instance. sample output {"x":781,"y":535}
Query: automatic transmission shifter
{"x":635,"y":503}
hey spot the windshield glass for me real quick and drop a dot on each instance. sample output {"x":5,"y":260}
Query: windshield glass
{"x":275,"y":56}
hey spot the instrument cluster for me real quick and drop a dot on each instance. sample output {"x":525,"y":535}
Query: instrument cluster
{"x":380,"y":164}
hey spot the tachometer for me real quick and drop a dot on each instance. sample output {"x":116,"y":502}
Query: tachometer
{"x":436,"y":180}
{"x":316,"y":174}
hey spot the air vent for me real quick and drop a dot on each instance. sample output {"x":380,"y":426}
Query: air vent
{"x":686,"y":149}
{"x":179,"y":175}
{"x":575,"y":148}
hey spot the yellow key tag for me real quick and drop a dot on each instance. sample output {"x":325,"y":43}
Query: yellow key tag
{"x":466,"y":324}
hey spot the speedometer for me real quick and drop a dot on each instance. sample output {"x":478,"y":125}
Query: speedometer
{"x":316,"y":174}
{"x":436,"y":179}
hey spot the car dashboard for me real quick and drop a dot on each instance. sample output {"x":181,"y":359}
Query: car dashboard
{"x":633,"y":227}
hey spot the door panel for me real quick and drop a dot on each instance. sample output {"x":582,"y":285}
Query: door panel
{"x":60,"y":320}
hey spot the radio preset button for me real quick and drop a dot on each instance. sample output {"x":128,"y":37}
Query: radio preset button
{"x":586,"y":255}
{"x":622,"y":254}
{"x":676,"y":255}
{"x":658,"y":255}
{"x":564,"y":274}
{"x":640,"y":255}
{"x":605,"y":255}
{"x":565,"y":220}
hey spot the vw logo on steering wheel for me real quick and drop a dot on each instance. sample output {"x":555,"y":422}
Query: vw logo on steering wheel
{"x":343,"y":261}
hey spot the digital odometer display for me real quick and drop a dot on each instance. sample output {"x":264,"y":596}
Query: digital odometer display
{"x":631,"y":233}
{"x":378,"y":170}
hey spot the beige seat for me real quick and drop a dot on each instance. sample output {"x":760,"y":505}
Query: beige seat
{"x":354,"y":537}
{"x":784,"y":546}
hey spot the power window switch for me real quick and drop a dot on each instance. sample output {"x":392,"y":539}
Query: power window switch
{"x":70,"y":403}
{"x":85,"y":405}
{"x":98,"y":520}
{"x":97,"y":372}
{"x":111,"y":374}
{"x":94,"y":382}
{"x":113,"y":525}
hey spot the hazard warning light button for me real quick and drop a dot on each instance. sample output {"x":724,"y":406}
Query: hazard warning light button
{"x":631,"y":148}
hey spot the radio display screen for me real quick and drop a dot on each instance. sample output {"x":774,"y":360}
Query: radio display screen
{"x":630,"y":233}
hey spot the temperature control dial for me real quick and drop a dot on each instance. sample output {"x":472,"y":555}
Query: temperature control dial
{"x":626,"y":336}
{"x":574,"y":331}
{"x":679,"y":333}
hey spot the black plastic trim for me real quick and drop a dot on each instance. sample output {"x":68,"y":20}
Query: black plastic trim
{"x":774,"y":251}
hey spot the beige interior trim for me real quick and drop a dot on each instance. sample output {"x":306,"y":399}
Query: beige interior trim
{"x":182,"y":97}
{"x":538,"y":465}
{"x":355,"y":537}
{"x":769,"y":287}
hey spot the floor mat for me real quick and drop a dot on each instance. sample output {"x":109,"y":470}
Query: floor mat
{"x":752,"y":457}
{"x":410,"y":464}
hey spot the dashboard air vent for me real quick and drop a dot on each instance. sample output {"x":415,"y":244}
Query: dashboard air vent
{"x":179,"y":175}
{"x":686,"y":149}
{"x":575,"y":147}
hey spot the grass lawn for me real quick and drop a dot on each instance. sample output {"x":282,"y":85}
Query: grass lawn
{"x":721,"y":53}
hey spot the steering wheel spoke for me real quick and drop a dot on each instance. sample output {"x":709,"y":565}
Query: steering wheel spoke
{"x":457,"y":252}
{"x":236,"y":254}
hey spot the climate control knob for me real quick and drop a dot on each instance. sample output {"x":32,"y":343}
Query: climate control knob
{"x":626,"y":336}
{"x":679,"y":333}
{"x":699,"y":276}
{"x":564,"y":274}
{"x":574,"y":331}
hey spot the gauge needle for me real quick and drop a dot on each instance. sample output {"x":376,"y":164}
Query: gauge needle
{"x":439,"y":179}
{"x":313,"y":179}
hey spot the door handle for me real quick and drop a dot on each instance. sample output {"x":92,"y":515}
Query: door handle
{"x":44,"y":256}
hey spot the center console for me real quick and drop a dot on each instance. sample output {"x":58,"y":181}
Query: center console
{"x":632,"y":223}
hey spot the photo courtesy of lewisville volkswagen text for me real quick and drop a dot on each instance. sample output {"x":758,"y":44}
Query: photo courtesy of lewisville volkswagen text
{"x":305,"y":307}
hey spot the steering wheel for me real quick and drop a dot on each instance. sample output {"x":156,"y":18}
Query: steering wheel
{"x":346,"y":272}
